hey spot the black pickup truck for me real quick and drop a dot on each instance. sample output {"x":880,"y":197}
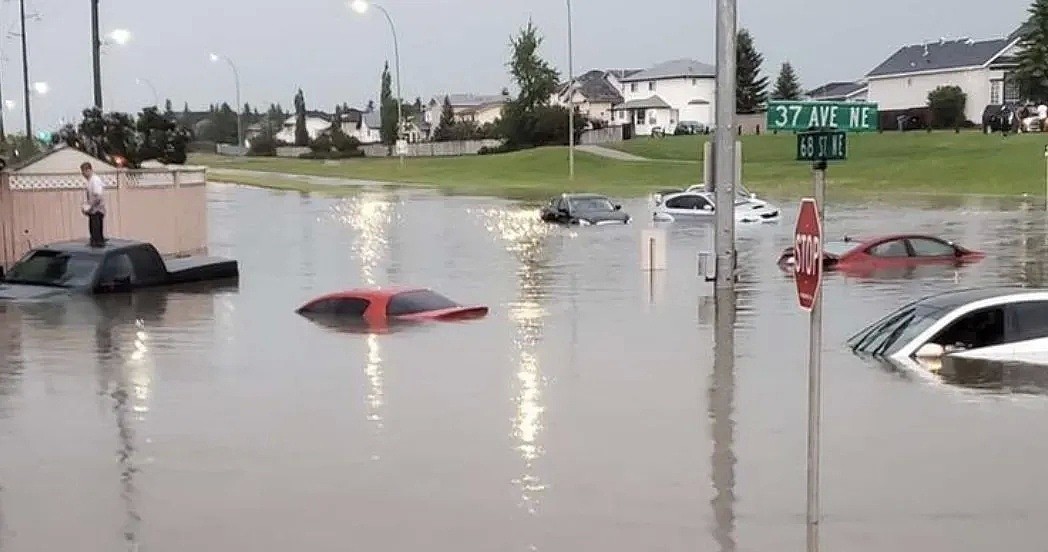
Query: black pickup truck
{"x":119,"y":266}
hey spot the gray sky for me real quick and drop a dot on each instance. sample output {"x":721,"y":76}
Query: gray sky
{"x":336,"y":55}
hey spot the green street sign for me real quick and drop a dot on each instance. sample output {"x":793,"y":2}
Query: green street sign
{"x":804,"y":116}
{"x":829,"y":146}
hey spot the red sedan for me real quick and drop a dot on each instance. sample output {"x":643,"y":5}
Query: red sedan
{"x":887,"y":252}
{"x":378,"y":307}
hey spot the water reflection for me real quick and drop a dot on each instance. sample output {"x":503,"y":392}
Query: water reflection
{"x":525,"y":236}
{"x":721,"y":397}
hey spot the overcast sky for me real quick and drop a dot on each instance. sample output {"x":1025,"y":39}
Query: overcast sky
{"x":336,"y":55}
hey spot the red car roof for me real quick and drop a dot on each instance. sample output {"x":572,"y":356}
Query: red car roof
{"x":369,"y":293}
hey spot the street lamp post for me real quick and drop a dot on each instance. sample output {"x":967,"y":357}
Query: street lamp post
{"x":156,"y":97}
{"x":236,"y":78}
{"x":361,"y":7}
{"x":96,"y":54}
{"x":25,"y":73}
{"x":571,"y":104}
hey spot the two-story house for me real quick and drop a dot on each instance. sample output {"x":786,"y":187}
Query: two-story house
{"x":666,"y":94}
{"x":981,"y":68}
{"x":477,"y":108}
{"x":594,"y":94}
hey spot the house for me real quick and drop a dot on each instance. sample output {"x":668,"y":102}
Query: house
{"x":594,"y":93}
{"x":480,"y":109}
{"x":663,"y":95}
{"x":316,"y":123}
{"x":839,"y":92}
{"x":365,"y":126}
{"x":982,"y":69}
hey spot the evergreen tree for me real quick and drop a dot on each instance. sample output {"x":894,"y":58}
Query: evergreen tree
{"x":750,"y":86}
{"x":1032,"y":73}
{"x":788,"y":86}
{"x":185,"y":109}
{"x":168,"y":112}
{"x":447,"y":122}
{"x":371,"y":106}
{"x":418,"y":104}
{"x":301,"y":133}
{"x":388,"y":131}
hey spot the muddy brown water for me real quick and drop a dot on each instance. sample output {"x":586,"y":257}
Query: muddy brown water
{"x":581,"y":414}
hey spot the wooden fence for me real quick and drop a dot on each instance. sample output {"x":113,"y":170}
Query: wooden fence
{"x":166,"y":207}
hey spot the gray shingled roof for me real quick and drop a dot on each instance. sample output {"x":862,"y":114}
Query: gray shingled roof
{"x":470,"y":100}
{"x":835,"y":90}
{"x":948,"y":54}
{"x":373,"y":118}
{"x":653,"y":102}
{"x":595,"y":87}
{"x":623,"y":73}
{"x":677,"y":68}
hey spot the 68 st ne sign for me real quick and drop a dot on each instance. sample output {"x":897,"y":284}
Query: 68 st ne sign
{"x":807,"y":253}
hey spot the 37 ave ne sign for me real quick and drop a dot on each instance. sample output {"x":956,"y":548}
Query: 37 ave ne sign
{"x":844,"y":116}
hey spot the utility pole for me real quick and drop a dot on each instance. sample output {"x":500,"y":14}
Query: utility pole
{"x":571,"y":105}
{"x":724,"y":147}
{"x":25,"y":73}
{"x":96,"y":53}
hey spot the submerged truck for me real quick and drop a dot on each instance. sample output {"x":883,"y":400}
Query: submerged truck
{"x":119,"y":266}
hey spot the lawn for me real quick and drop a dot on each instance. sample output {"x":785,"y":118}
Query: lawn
{"x":938,"y":162}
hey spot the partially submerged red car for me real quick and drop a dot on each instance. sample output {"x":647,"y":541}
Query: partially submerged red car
{"x":886,"y":252}
{"x":380,"y":306}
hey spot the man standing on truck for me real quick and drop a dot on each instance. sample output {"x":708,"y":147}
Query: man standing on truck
{"x":95,"y":206}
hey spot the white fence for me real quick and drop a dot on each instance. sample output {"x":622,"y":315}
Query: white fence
{"x":433,"y":149}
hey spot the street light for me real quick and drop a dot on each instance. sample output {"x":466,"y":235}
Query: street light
{"x":119,"y":36}
{"x":156,"y":97}
{"x":41,"y":88}
{"x":571,"y":105}
{"x":236,"y":76}
{"x":361,"y":7}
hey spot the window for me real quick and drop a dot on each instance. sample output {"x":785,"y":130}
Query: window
{"x":996,"y":91}
{"x":148,"y":266}
{"x":53,"y":268}
{"x":1029,"y":320}
{"x":411,"y":302}
{"x":1011,"y":88}
{"x":590,"y":204}
{"x":639,"y":117}
{"x":350,"y":307}
{"x":688,"y":202}
{"x":651,"y":86}
{"x":924,"y":247}
{"x":633,"y":87}
{"x":982,"y":328}
{"x":694,"y":82}
{"x":894,"y":248}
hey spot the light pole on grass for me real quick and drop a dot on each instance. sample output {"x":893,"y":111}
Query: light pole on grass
{"x":236,"y":79}
{"x":571,"y":105}
{"x":361,"y":7}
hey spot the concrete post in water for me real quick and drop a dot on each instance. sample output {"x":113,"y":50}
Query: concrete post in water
{"x":721,"y":396}
{"x":724,"y":146}
{"x":815,"y":383}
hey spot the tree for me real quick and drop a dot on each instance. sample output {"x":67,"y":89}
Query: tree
{"x":371,"y":106}
{"x":388,"y":131}
{"x":115,"y":136}
{"x":787,"y":86}
{"x":445,"y":128}
{"x":750,"y":86}
{"x":1032,"y":73}
{"x":947,"y":106}
{"x":536,"y":80}
{"x":168,"y":112}
{"x":185,"y":109}
{"x":301,"y":133}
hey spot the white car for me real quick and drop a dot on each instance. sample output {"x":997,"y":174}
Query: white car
{"x":996,"y":324}
{"x":695,"y":203}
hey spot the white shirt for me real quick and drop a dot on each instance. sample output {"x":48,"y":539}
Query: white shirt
{"x":1042,"y":111}
{"x":95,"y":189}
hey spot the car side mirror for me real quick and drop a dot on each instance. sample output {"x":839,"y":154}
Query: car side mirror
{"x":931,"y":351}
{"x":618,"y":207}
{"x":707,"y":207}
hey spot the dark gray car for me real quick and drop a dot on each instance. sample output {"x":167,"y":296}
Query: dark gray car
{"x":584,"y":210}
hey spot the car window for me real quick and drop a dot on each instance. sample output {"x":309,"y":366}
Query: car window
{"x":680,"y":202}
{"x":53,"y":268}
{"x":981,"y":328}
{"x":924,"y":247}
{"x":1028,"y":320}
{"x":148,"y":266}
{"x":411,"y":302}
{"x":591,"y":204}
{"x":893,"y":248}
{"x":350,"y":307}
{"x":116,"y":268}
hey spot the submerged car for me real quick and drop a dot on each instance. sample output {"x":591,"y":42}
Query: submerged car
{"x":996,"y":324}
{"x":583,"y":210}
{"x":695,"y":203}
{"x":863,"y":256}
{"x":380,"y":306}
{"x":119,"y":266}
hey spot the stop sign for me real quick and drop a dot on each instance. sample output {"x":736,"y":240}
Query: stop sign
{"x":807,"y":253}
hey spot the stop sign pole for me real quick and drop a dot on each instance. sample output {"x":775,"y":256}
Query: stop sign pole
{"x":808,"y":256}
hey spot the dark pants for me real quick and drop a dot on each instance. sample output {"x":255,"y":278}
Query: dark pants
{"x":94,"y":226}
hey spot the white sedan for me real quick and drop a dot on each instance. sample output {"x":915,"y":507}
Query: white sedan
{"x":697,"y":204}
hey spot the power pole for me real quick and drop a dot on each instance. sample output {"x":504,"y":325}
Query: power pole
{"x":724,"y":147}
{"x":96,"y":53}
{"x":25,"y":73}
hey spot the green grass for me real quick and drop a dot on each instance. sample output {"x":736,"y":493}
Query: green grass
{"x":939,"y":162}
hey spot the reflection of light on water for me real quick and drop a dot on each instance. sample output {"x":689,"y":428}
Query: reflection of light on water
{"x":522,"y":232}
{"x":370,"y":215}
{"x":374,"y":375}
{"x":139,"y":370}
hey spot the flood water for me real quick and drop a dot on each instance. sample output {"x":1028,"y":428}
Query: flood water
{"x":581,"y":414}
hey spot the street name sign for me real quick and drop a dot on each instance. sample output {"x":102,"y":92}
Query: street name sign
{"x":807,"y":253}
{"x":819,"y":145}
{"x":802,"y":116}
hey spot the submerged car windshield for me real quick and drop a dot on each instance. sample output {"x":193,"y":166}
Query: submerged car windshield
{"x":891,"y":333}
{"x":592,"y":204}
{"x":413,"y":302}
{"x":53,"y":268}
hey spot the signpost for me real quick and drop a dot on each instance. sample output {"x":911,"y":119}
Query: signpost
{"x":807,"y":254}
{"x":802,"y":116}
